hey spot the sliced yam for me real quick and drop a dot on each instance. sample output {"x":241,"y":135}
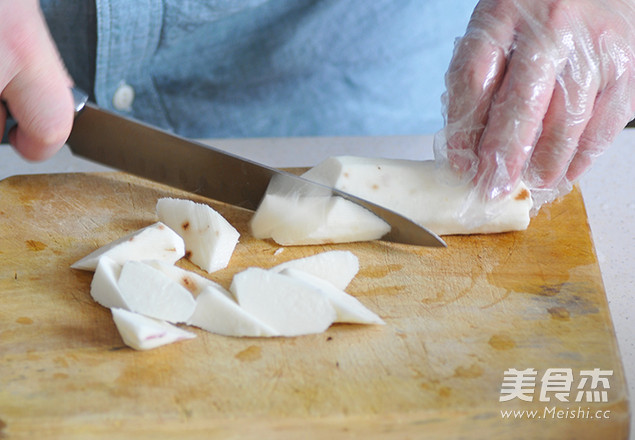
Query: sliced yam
{"x":104,"y":287}
{"x":192,"y":281}
{"x":156,"y":241}
{"x":349,"y":309}
{"x":420,"y":191}
{"x":337,"y":267}
{"x":209,"y":239}
{"x":216,"y":312}
{"x":278,"y":214}
{"x":144,"y":333}
{"x":314,"y":220}
{"x":289,"y":306}
{"x":347,"y":222}
{"x":149,"y":291}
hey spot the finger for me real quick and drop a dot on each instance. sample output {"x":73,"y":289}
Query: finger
{"x":566,"y":119}
{"x":44,"y":112}
{"x":474,"y":75}
{"x":516,"y":115}
{"x":615,"y":103}
{"x":36,"y":86}
{"x":470,"y":88}
{"x":613,"y":109}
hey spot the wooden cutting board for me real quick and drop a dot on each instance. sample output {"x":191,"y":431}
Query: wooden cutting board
{"x":457,"y":320}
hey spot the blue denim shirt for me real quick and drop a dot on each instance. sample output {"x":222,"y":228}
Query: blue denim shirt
{"x":234,"y":68}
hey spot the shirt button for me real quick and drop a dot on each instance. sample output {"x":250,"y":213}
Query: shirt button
{"x":123,"y":98}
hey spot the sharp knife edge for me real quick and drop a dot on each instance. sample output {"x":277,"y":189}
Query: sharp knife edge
{"x":143,"y":150}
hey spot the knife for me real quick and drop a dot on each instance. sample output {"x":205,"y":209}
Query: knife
{"x":149,"y":152}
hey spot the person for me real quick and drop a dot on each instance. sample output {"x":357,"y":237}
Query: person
{"x":534,"y":90}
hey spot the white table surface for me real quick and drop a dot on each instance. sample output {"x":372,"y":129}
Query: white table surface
{"x":608,"y":190}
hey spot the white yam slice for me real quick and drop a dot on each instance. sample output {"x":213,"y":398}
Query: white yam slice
{"x":287,"y":305}
{"x":209,"y":239}
{"x":417,"y":190}
{"x":218,"y":313}
{"x":104,"y":287}
{"x":149,"y":291}
{"x":314,"y":220}
{"x":192,"y":281}
{"x":348,"y":308}
{"x":144,"y":333}
{"x":337,"y":267}
{"x":156,"y":241}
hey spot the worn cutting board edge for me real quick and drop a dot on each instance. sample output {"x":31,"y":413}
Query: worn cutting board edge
{"x":390,"y":421}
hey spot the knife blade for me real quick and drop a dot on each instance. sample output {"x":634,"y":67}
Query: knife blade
{"x":155,"y":154}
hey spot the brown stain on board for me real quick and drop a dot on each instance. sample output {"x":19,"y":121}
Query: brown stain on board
{"x":153,"y":370}
{"x":379,"y":271}
{"x":61,"y":361}
{"x":249,"y":354}
{"x":559,"y":313}
{"x":501,"y":342}
{"x":471,"y":372}
{"x":445,"y":392}
{"x":150,"y":369}
{"x":34,"y":245}
{"x":381,"y":290}
{"x":24,"y":320}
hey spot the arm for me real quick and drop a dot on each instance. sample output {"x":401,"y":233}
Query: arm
{"x":33,"y":82}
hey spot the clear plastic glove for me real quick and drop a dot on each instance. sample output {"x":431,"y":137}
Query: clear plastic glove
{"x":34,"y":84}
{"x":536,"y":90}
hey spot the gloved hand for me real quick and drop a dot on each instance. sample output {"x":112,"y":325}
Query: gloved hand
{"x":536,"y":90}
{"x":33,"y":82}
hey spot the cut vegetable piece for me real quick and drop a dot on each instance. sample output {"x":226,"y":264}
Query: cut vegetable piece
{"x":315,"y":220}
{"x":337,"y":267}
{"x":144,"y":333}
{"x":217,"y":313}
{"x":104,"y":287}
{"x":149,"y":291}
{"x":276,"y":212}
{"x":192,"y":281}
{"x":287,"y":305}
{"x":346,"y":222}
{"x":348,"y":308}
{"x":156,"y":241}
{"x":416,"y":189}
{"x":209,"y":239}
